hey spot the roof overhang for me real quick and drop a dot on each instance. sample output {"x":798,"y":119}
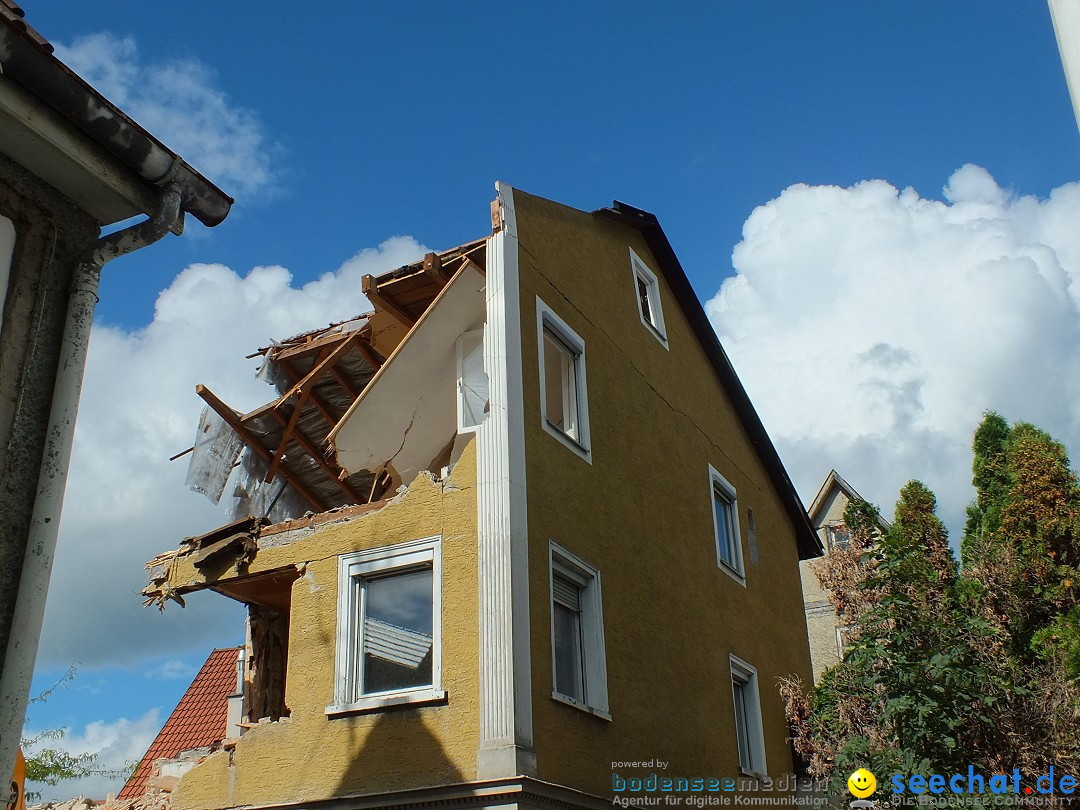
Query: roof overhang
{"x":1066,"y":17}
{"x":66,"y":132}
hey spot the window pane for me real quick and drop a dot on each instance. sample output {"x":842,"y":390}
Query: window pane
{"x":569,"y":671}
{"x":397,"y":632}
{"x":840,"y":536}
{"x":560,"y":385}
{"x":742,"y":726}
{"x":724,"y":534}
{"x":643,"y":300}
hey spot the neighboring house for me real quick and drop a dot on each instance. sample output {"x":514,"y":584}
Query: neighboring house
{"x":197,"y":726}
{"x":827,"y":638}
{"x":71,"y":163}
{"x":516,"y":526}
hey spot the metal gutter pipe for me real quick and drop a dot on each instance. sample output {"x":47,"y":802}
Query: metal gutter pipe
{"x":41,"y":545}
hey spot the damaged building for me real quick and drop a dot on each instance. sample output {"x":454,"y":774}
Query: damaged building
{"x":424,"y":511}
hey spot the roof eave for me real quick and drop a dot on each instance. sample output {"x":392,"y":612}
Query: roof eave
{"x":809,"y":544}
{"x":32,"y":66}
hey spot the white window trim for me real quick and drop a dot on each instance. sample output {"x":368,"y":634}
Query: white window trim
{"x":736,"y":571}
{"x":545,"y":316}
{"x":384,"y":560}
{"x":571,"y":566}
{"x":641,"y":270}
{"x":748,"y":675}
{"x":463,"y":338}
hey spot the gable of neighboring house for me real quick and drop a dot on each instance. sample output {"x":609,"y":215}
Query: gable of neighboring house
{"x":826,"y":513}
{"x":199,"y":720}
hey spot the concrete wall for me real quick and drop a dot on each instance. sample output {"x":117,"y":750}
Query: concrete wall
{"x":311,"y":756}
{"x":641,"y":512}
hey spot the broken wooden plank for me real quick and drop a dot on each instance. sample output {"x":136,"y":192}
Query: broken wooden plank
{"x":385,"y":302}
{"x":232,"y":419}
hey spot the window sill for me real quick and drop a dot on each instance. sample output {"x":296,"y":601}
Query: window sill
{"x":570,"y":442}
{"x":656,"y":333}
{"x":376,"y":703}
{"x":732,"y":572}
{"x":569,"y":701}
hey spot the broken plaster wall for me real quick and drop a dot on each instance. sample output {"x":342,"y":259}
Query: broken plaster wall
{"x":641,"y":512}
{"x":311,"y":756}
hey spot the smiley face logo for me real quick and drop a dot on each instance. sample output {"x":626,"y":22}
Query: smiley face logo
{"x":861,"y":783}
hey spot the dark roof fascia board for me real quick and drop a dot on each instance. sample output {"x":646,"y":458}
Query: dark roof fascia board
{"x":809,"y":543}
{"x":33,"y":67}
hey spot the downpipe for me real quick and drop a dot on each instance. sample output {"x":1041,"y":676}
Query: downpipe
{"x":22,"y":646}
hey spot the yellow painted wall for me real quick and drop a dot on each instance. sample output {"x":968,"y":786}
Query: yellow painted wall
{"x":310,"y":756}
{"x":641,"y":513}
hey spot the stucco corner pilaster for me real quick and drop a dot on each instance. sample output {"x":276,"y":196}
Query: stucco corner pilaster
{"x":506,"y":747}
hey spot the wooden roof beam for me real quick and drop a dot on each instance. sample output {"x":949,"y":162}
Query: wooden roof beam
{"x":332,"y":471}
{"x":385,"y":302}
{"x":433,"y":268}
{"x":316,"y":400}
{"x":325,"y":362}
{"x":232,"y":419}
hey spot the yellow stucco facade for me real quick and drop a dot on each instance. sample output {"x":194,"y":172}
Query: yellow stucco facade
{"x":311,"y":755}
{"x":641,"y":513}
{"x":637,"y":507}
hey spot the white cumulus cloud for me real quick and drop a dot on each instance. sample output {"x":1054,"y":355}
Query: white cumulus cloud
{"x":115,"y":745}
{"x":179,"y":102}
{"x":873,"y":326}
{"x":125,"y":501}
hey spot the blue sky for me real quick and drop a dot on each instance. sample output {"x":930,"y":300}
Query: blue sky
{"x":339,"y":126}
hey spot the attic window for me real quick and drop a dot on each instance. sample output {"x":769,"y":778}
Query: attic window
{"x":647,"y":291}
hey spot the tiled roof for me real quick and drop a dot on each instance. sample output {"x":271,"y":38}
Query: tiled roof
{"x":199,"y":719}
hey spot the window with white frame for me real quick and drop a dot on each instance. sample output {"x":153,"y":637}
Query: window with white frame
{"x":473,"y":387}
{"x":725,"y":513}
{"x":838,"y":536}
{"x":579,"y":668}
{"x":389,"y":640}
{"x":647,"y":291}
{"x":563,"y":403}
{"x":748,"y":729}
{"x":843,"y":638}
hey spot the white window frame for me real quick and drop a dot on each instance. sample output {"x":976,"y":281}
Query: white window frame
{"x":352,"y":569}
{"x":641,"y":271}
{"x":746,"y":675}
{"x":734,"y":569}
{"x":546,"y":319}
{"x":464,"y":342}
{"x":842,"y":641}
{"x":571,"y":567}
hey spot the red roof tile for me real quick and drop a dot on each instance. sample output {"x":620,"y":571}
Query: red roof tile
{"x":199,"y":719}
